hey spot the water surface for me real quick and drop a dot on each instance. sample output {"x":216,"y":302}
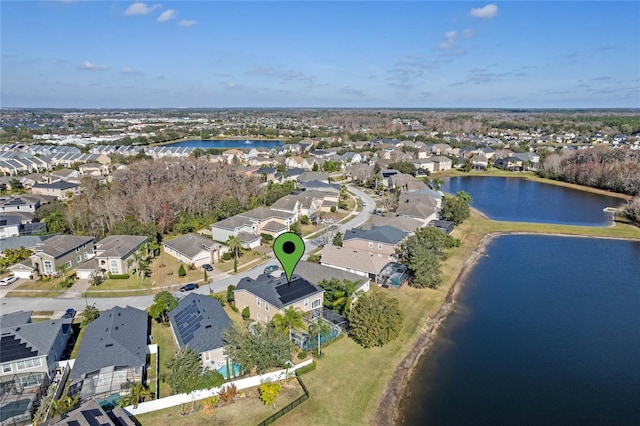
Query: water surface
{"x":227,"y":144}
{"x":515,"y":199}
{"x":546,"y":331}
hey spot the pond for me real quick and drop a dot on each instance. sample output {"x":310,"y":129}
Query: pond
{"x":522,"y":200}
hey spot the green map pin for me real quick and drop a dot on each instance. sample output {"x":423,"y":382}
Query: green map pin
{"x":288,"y":248}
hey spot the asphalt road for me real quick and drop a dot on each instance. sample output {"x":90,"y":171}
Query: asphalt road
{"x":13,"y":304}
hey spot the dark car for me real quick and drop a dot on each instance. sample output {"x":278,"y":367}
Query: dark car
{"x":271,"y":268}
{"x":207,"y":267}
{"x":69,"y":313}
{"x":188,"y":287}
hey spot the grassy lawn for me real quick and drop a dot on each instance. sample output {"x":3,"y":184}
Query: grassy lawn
{"x":246,"y":410}
{"x":246,"y":258}
{"x":167,"y":347}
{"x":49,"y":284}
{"x":50,"y":294}
{"x":76,"y":347}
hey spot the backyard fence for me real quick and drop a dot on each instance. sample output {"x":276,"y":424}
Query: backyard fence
{"x":288,"y":407}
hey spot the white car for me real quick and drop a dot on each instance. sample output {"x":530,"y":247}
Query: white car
{"x":8,"y":280}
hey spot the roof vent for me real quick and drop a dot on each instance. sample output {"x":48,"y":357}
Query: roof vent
{"x":208,"y":326}
{"x":108,"y":345}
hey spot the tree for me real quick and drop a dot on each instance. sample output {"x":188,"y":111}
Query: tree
{"x":456,"y":209}
{"x":95,"y":279}
{"x":422,"y":253}
{"x":319,"y":329}
{"x":262,"y":348}
{"x":13,"y":256}
{"x":137,"y":393}
{"x":269,"y":392}
{"x":337,"y":239}
{"x":375,"y":320}
{"x":163,"y":303}
{"x":184,"y":369}
{"x":64,"y":404}
{"x":235,"y":248}
{"x":89,"y":314}
{"x":291,"y":319}
{"x":339,"y":295}
{"x":295,"y":228}
{"x":404,"y":167}
{"x":230,"y":295}
{"x":181,"y":271}
{"x":467,"y":166}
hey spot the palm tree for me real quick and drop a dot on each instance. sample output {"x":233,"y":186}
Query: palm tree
{"x":137,"y":392}
{"x":64,"y":404}
{"x":235,"y":248}
{"x":291,"y":319}
{"x":319,"y":328}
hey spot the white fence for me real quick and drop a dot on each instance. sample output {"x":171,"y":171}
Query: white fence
{"x":184,"y":398}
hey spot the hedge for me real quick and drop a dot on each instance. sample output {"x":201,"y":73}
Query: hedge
{"x":118,"y":276}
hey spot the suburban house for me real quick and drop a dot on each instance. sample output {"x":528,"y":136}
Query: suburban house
{"x":296,"y":161}
{"x":444,"y":225}
{"x":198,"y":322}
{"x":248,"y":226}
{"x":442,"y":163}
{"x":61,"y":251}
{"x":385,"y":174}
{"x":21,"y":204}
{"x":194,"y":249}
{"x":405,"y":182}
{"x":9,"y":226}
{"x":424,"y":164}
{"x":61,"y":189}
{"x":113,"y":254}
{"x":266,"y":296}
{"x":359,"y":262}
{"x":113,"y":354}
{"x":403,"y":223}
{"x":91,"y":413}
{"x":316,"y":273}
{"x":479,"y":162}
{"x":378,"y":240}
{"x":421,"y":205}
{"x":28,"y":348}
{"x":28,"y":355}
{"x":509,"y":163}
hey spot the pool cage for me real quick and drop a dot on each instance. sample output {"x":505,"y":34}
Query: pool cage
{"x":20,"y":396}
{"x":106,"y":382}
{"x":393,"y":275}
{"x":336,"y":322}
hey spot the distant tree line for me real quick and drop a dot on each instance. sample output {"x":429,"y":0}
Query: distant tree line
{"x":616,"y":170}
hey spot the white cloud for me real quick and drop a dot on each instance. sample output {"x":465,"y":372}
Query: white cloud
{"x":486,"y":12}
{"x":140,"y":8}
{"x":129,"y":70}
{"x":187,"y":23}
{"x":86,"y":65}
{"x":167,"y":15}
{"x":449,"y":38}
{"x":468,"y":33}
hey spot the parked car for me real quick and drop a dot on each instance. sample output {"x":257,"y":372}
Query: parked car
{"x":69,"y":313}
{"x":207,"y":267}
{"x":188,"y":287}
{"x":8,"y":280}
{"x":271,"y":268}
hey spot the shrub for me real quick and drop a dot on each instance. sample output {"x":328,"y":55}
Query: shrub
{"x":181,"y":271}
{"x":333,"y":209}
{"x":228,"y":393}
{"x":266,"y":237}
{"x":315,"y":258}
{"x":304,"y":219}
{"x":302,"y":354}
{"x":226,"y":256}
{"x":234,"y":308}
{"x":269,"y":392}
{"x":118,"y":276}
{"x":342,"y":205}
{"x":246,"y":313}
{"x":220,"y":298}
{"x":307,"y":368}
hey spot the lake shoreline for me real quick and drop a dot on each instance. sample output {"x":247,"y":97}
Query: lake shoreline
{"x":388,"y":410}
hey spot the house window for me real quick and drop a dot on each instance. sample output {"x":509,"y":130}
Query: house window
{"x":266,"y":305}
{"x":6,"y":368}
{"x":370,"y":244}
{"x":306,"y":303}
{"x":78,"y":258}
{"x":315,"y":303}
{"x":258,"y":301}
{"x":86,"y":255}
{"x":48,"y":267}
{"x":114,"y":267}
{"x":379,"y":246}
{"x":258,"y":315}
{"x":30,"y":380}
{"x":29,"y":363}
{"x":266,"y":319}
{"x":207,"y":357}
{"x":68,"y":264}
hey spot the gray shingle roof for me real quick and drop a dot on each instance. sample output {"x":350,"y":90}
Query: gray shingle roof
{"x":190,"y":245}
{"x":314,"y":272}
{"x":382,"y":234}
{"x":117,"y":338}
{"x":36,"y":339}
{"x":277,"y":291}
{"x":60,"y":245}
{"x":119,"y":245}
{"x":198,"y":322}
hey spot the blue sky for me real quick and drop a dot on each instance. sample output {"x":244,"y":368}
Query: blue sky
{"x":415,"y":54}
